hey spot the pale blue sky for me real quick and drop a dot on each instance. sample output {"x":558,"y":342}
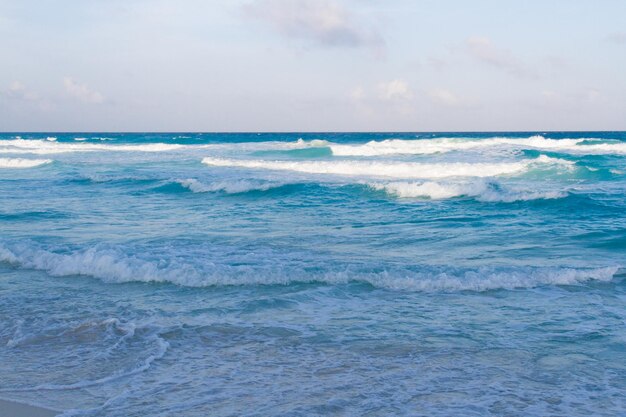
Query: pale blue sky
{"x":312,"y":65}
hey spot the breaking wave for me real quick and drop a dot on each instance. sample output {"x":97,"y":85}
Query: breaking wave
{"x":320,"y":147}
{"x":113,"y":266}
{"x":227,"y":186}
{"x":81,"y":144}
{"x":481,"y":190}
{"x":44,"y":147}
{"x":442,"y":145}
{"x":22,"y":163}
{"x":389,"y":169}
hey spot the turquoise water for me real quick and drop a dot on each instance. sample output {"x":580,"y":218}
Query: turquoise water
{"x":438,"y":274}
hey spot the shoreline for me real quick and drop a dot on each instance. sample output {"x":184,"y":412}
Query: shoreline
{"x":9,"y":408}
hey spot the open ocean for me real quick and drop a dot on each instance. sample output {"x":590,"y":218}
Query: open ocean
{"x":299,"y":274}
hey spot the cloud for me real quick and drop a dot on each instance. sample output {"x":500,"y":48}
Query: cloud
{"x":18,"y":91}
{"x":484,"y":50}
{"x":323,"y":22}
{"x":357,"y":93}
{"x":568,"y":99}
{"x":394,"y":90}
{"x":393,"y":99}
{"x":81,"y":91}
{"x":618,"y":38}
{"x":444,"y":97}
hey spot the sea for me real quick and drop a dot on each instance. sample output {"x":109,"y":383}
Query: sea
{"x":305,"y":274}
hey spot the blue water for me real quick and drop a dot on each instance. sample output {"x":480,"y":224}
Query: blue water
{"x":438,"y":274}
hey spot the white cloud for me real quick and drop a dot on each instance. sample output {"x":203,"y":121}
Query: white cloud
{"x":394,"y":90}
{"x":443,"y":96}
{"x":18,"y":91}
{"x":580,"y":97}
{"x":484,"y":50}
{"x":321,"y":21}
{"x":358,"y":93}
{"x":81,"y":91}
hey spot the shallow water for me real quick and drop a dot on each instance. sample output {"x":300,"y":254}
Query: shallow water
{"x":303,"y":274}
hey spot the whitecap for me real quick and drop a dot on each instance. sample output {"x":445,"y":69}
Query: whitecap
{"x":381,"y":169}
{"x":485,"y":191}
{"x":22,"y":163}
{"x":443,"y":145}
{"x":50,"y":147}
{"x":226,"y":186}
{"x":113,"y":266}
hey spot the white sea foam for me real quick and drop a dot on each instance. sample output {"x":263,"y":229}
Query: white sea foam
{"x":22,"y":163}
{"x":558,"y":161}
{"x":114,"y":266}
{"x":80,"y":144}
{"x":227,"y":186}
{"x":372,"y":148}
{"x":44,"y":147}
{"x":387,"y":169}
{"x":160,"y":348}
{"x":312,"y":143}
{"x":442,"y":145}
{"x":481,"y":190}
{"x":429,"y":189}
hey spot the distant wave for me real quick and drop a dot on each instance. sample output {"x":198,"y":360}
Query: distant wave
{"x":112,"y":177}
{"x":372,"y":148}
{"x":389,"y":169}
{"x":114,"y":266}
{"x":22,"y":163}
{"x":442,"y":145}
{"x":82,"y":144}
{"x":486,"y":190}
{"x":45,"y":147}
{"x":481,"y":190}
{"x":227,"y":186}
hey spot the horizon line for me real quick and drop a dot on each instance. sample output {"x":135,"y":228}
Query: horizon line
{"x":303,"y":131}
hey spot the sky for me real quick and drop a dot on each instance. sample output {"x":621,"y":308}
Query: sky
{"x":312,"y":65}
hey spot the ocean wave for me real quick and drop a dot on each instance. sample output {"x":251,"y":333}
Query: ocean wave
{"x":368,"y":149}
{"x":443,"y":145}
{"x":389,"y":169}
{"x":312,"y":142}
{"x":112,"y":177}
{"x":22,"y":163}
{"x":83,"y":144}
{"x":113,"y":266}
{"x":44,"y":147}
{"x":556,"y":161}
{"x":227,"y":186}
{"x":485,"y":191}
